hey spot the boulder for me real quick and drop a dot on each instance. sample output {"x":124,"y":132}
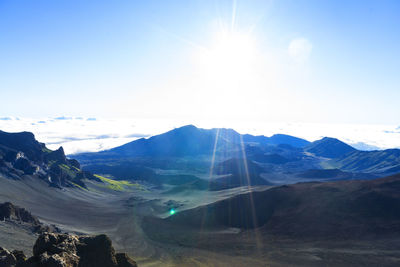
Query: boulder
{"x":65,"y":250}
{"x":55,"y":244}
{"x":96,"y":250}
{"x":7,"y":259}
{"x":19,"y":256}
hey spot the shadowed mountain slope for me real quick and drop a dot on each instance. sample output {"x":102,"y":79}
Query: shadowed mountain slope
{"x":184,"y":141}
{"x":329,"y":148}
{"x":307,"y":210}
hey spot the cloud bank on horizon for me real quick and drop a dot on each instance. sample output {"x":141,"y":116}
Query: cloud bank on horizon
{"x":81,"y":134}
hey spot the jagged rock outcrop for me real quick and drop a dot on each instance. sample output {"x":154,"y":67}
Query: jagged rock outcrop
{"x":24,"y":142}
{"x":12,"y":213}
{"x":65,"y":250}
{"x":9,"y":211}
{"x":11,"y":258}
{"x":21,"y":154}
{"x":7,"y":258}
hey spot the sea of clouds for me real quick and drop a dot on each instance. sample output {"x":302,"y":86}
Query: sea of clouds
{"x":83,"y":134}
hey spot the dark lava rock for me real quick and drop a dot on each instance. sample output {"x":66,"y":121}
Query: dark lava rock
{"x":96,"y":250}
{"x":9,"y":211}
{"x":14,"y":258}
{"x":65,"y":250}
{"x":19,"y":256}
{"x":9,"y":154}
{"x":25,"y":165}
{"x":123,"y":260}
{"x":21,"y":154}
{"x":24,"y":142}
{"x":7,"y":258}
{"x":57,"y":156}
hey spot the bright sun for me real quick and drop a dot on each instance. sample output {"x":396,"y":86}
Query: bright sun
{"x":230,"y":54}
{"x":229,"y":72}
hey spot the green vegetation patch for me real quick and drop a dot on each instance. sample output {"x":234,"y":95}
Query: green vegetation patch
{"x":64,"y":166}
{"x":78,"y":186}
{"x":75,"y":168}
{"x":118,"y":185}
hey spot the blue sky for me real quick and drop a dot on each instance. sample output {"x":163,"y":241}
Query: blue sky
{"x":270,"y":61}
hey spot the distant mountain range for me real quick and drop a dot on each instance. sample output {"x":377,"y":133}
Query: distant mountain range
{"x":215,"y":159}
{"x":192,"y":141}
{"x":278,"y":159}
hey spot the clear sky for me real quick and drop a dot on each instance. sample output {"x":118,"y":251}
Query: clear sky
{"x":309,"y":61}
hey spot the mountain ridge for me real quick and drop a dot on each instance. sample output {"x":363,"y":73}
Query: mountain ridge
{"x":196,"y":141}
{"x":329,"y":147}
{"x":21,"y":154}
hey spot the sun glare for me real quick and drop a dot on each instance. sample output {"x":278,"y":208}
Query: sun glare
{"x":230,"y":53}
{"x":228,"y":70}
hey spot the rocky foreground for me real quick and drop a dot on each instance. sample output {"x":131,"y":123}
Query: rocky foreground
{"x":66,"y":250}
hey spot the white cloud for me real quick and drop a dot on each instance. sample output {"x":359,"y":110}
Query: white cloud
{"x":81,"y":135}
{"x":300,"y":49}
{"x":77,"y":134}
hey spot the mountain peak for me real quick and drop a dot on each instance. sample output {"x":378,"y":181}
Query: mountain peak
{"x":189,"y":127}
{"x":329,"y":147}
{"x":329,"y":139}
